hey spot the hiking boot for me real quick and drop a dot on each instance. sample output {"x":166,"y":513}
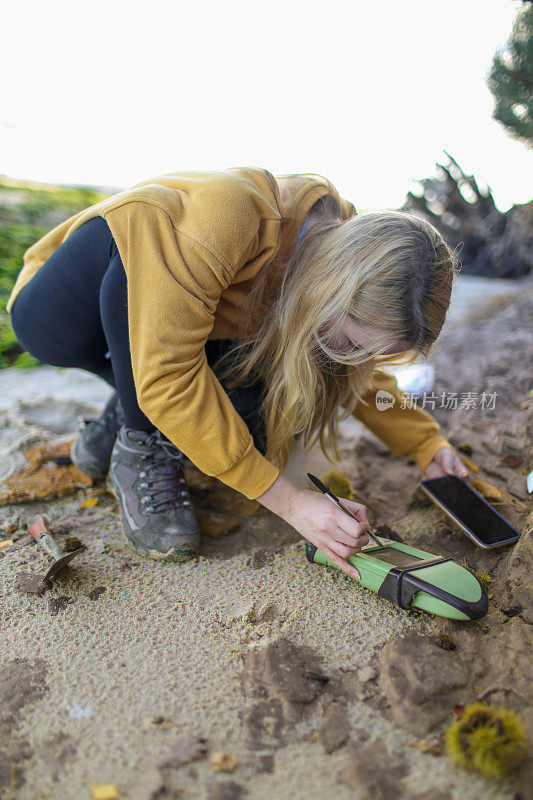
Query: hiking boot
{"x":91,"y":452}
{"x":146,"y":476}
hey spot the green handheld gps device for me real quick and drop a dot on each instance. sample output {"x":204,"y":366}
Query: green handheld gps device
{"x":413,"y":578}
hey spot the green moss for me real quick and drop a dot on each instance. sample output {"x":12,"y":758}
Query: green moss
{"x":445,"y":641}
{"x":484,"y":578}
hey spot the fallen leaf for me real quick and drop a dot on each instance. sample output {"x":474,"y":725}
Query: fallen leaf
{"x":89,"y":502}
{"x":5,"y":542}
{"x":510,"y":461}
{"x":105,"y":791}
{"x":433,"y":746}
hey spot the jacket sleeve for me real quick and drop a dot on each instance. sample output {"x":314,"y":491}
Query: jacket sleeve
{"x":407,"y":431}
{"x":174,"y":285}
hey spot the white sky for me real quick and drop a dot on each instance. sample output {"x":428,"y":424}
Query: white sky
{"x":367,"y":94}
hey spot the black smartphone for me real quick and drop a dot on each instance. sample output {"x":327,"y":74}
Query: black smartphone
{"x":470,"y":511}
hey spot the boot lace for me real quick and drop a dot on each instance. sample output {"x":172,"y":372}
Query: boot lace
{"x":163,"y":476}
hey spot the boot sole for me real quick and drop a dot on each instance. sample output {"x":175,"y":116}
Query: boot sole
{"x":174,"y":556}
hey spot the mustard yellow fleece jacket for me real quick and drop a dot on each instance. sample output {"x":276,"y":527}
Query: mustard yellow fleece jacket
{"x":192,"y":244}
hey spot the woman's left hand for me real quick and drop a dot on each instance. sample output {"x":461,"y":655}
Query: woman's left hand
{"x":446,"y":462}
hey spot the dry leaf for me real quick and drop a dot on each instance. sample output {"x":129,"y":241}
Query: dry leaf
{"x":5,"y":542}
{"x":510,"y":461}
{"x":105,"y":791}
{"x":89,"y":502}
{"x":470,"y":465}
{"x":433,"y":746}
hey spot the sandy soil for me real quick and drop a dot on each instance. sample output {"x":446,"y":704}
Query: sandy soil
{"x":136,"y":673}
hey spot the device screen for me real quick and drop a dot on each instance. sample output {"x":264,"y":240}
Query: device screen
{"x":396,"y":557}
{"x":473,"y":512}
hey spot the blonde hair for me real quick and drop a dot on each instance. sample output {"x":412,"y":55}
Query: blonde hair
{"x":386,"y":269}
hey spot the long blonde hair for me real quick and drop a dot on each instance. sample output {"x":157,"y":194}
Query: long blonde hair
{"x":386,"y":269}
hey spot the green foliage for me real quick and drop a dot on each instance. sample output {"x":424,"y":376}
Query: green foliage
{"x":26,"y":215}
{"x":511,"y":79}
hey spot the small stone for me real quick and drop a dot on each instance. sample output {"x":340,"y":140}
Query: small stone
{"x":367,"y":674}
{"x":265,"y":762}
{"x":95,"y":593}
{"x":105,"y":791}
{"x":57,"y":604}
{"x":373,"y":770}
{"x":223,"y":762}
{"x":184,"y":750}
{"x":226,"y":790}
{"x":150,"y":785}
{"x":334,"y":729}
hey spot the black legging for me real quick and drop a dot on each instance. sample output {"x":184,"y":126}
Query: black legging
{"x":74,"y":313}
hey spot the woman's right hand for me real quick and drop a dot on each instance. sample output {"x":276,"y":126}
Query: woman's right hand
{"x":326,"y":525}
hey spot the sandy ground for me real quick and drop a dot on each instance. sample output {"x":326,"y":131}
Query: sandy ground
{"x":138,"y":673}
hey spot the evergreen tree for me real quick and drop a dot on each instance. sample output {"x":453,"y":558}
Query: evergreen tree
{"x":511,"y":79}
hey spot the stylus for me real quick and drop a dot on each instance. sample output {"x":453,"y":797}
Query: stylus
{"x":324,"y":489}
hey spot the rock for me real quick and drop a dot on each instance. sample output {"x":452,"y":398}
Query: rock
{"x":516,"y":485}
{"x":226,"y":790}
{"x":334,"y":729}
{"x":263,"y":724}
{"x":30,"y":583}
{"x":260,"y":557}
{"x":285,"y":680}
{"x":183,"y":751}
{"x":95,"y":593}
{"x":372,"y":772}
{"x":150,"y":785}
{"x":518,"y":575}
{"x":265,"y":763}
{"x":56,"y":751}
{"x":57,"y":604}
{"x":367,"y":674}
{"x":279,"y":669}
{"x":22,"y":683}
{"x":422,"y":682}
{"x":419,"y":499}
{"x":510,"y":673}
